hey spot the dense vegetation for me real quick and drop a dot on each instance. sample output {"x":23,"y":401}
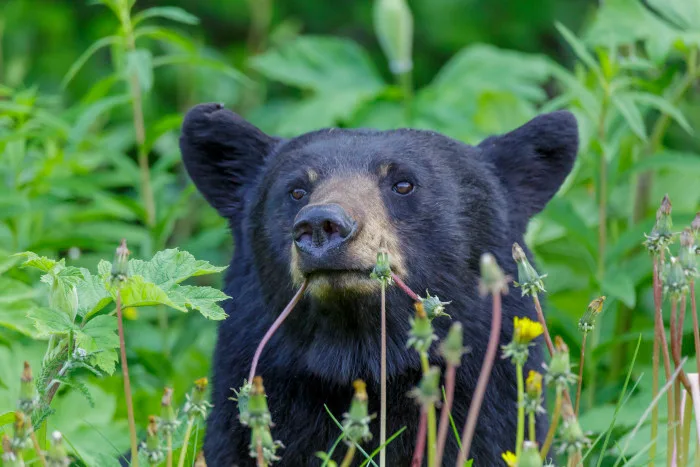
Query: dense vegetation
{"x":91,"y":99}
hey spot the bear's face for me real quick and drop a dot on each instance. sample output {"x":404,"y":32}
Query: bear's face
{"x":322,"y":205}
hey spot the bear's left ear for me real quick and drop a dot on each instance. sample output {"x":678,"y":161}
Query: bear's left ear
{"x":532,"y":161}
{"x":222,"y":153}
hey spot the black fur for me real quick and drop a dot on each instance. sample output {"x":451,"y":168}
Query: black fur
{"x":468,"y":200}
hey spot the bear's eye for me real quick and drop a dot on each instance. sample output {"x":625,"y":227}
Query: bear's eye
{"x":403,"y":188}
{"x":297,"y":194}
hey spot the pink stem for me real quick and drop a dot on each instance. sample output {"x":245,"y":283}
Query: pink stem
{"x":278,"y":322}
{"x":480,"y":391}
{"x":420,"y":440}
{"x":445,"y":414}
{"x":405,"y":288}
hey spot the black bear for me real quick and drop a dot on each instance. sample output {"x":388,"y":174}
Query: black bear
{"x":320,"y":206}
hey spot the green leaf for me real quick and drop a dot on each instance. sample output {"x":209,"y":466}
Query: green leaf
{"x":50,"y":322}
{"x":664,"y":106}
{"x":15,"y":316}
{"x":619,"y":285}
{"x":42,"y":263}
{"x":7,"y":261}
{"x":170,"y":267}
{"x":668,"y":160}
{"x":168,"y":12}
{"x":203,"y":299}
{"x":580,"y":50}
{"x":99,"y":335}
{"x":139,"y":292}
{"x":92,"y":294}
{"x":7,"y":418}
{"x":625,"y":105}
{"x":97,"y":45}
{"x":140,"y":63}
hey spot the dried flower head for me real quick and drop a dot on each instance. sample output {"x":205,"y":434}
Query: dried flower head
{"x":433,"y":307}
{"x":168,"y":421}
{"x":120,"y":267}
{"x":28,"y":397}
{"x":509,"y":458}
{"x":587,"y":321}
{"x":661,"y":235}
{"x":356,"y":420}
{"x":559,"y":370}
{"x":493,"y":280}
{"x":529,"y":281}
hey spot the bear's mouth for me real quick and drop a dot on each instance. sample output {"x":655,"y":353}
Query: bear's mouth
{"x":326,"y":282}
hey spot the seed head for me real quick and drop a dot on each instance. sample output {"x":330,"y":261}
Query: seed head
{"x":587,"y":321}
{"x":529,"y":281}
{"x":57,"y":456}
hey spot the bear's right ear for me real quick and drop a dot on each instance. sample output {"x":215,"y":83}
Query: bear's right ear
{"x":222,"y":152}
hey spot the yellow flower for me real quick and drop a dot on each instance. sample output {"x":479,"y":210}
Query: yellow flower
{"x":525,"y":330}
{"x":509,"y":458}
{"x":533,"y":384}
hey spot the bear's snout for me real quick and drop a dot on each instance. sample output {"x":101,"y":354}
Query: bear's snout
{"x":320,"y":231}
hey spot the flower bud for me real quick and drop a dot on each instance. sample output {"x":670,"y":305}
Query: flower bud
{"x":152,"y":448}
{"x":57,"y":456}
{"x":382,"y":269}
{"x":675,"y":280}
{"x":421,"y":335}
{"x":393,"y":25}
{"x":493,"y":281}
{"x":21,"y":439}
{"x":258,"y":411}
{"x":571,"y":436}
{"x":28,"y":398}
{"x":168,"y":422}
{"x":587,"y":321}
{"x":196,"y":404}
{"x":533,"y":384}
{"x":687,"y":255}
{"x":695,"y":225}
{"x":120,"y":267}
{"x":433,"y":307}
{"x":529,"y":281}
{"x":356,"y":420}
{"x":530,"y":455}
{"x":559,"y":371}
{"x":9,"y":456}
{"x":452,"y":348}
{"x":428,"y":390}
{"x":661,"y":235}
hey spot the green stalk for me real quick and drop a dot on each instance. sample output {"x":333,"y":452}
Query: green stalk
{"x":687,"y":417}
{"x":520,"y":434}
{"x":406,"y":82}
{"x":552,"y":427}
{"x":382,"y":407}
{"x":532,"y":433}
{"x":349,"y":455}
{"x":580,"y":374}
{"x":169,"y":460}
{"x":185,"y":442}
{"x":127,"y":384}
{"x":430,"y":411}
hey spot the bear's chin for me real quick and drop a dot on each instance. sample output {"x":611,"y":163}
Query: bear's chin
{"x":328,"y":284}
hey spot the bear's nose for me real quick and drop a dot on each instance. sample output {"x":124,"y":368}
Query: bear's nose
{"x":321,"y":228}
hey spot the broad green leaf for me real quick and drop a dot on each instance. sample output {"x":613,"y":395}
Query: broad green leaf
{"x":629,"y":111}
{"x":15,"y":316}
{"x":7,"y":261}
{"x":664,"y":106}
{"x":170,"y":267}
{"x":619,"y":285}
{"x":203,"y":299}
{"x":580,"y":50}
{"x":99,"y":335}
{"x":63,"y":293}
{"x":50,"y":322}
{"x":97,"y":45}
{"x":669,"y":160}
{"x":168,"y":12}
{"x":140,"y":63}
{"x":12,"y":290}
{"x":139,"y":292}
{"x":42,"y":263}
{"x":623,"y":22}
{"x":92,"y":294}
{"x":322,"y":64}
{"x":7,"y":419}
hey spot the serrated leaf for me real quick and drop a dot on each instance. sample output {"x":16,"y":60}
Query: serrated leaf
{"x":170,"y":267}
{"x":168,"y":12}
{"x":50,"y":322}
{"x":63,"y":293}
{"x":15,"y":316}
{"x":7,"y":261}
{"x":42,"y":263}
{"x":92,"y":294}
{"x":99,"y":336}
{"x":203,"y":299}
{"x":136,"y":291}
{"x":140,"y":63}
{"x":631,"y":114}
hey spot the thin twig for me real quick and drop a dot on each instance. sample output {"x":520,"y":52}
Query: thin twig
{"x":278,"y":322}
{"x":547,"y":337}
{"x":407,"y":290}
{"x":420,"y":440}
{"x":482,"y":382}
{"x":382,"y":407}
{"x":127,"y":383}
{"x":450,"y":373}
{"x":580,"y":373}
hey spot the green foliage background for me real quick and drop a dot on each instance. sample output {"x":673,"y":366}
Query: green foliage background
{"x":71,"y":184}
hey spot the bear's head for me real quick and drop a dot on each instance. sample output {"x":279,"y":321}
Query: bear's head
{"x":323,"y":204}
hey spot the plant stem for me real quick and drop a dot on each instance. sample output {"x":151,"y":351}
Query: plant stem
{"x":543,"y":322}
{"x":185,"y":442}
{"x":382,"y":407}
{"x":349,"y":455}
{"x":139,"y":126}
{"x":687,"y":417}
{"x":278,"y":322}
{"x":169,"y":461}
{"x":520,"y":433}
{"x":580,"y":374}
{"x":430,"y":412}
{"x":482,"y":382}
{"x":450,"y":373}
{"x":552,"y":427}
{"x":676,"y":386}
{"x":420,"y":440}
{"x":35,"y":442}
{"x":406,"y":82}
{"x":260,"y":456}
{"x":407,"y":290}
{"x":127,"y":383}
{"x":655,"y":410}
{"x":531,"y":431}
{"x":696,"y":330}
